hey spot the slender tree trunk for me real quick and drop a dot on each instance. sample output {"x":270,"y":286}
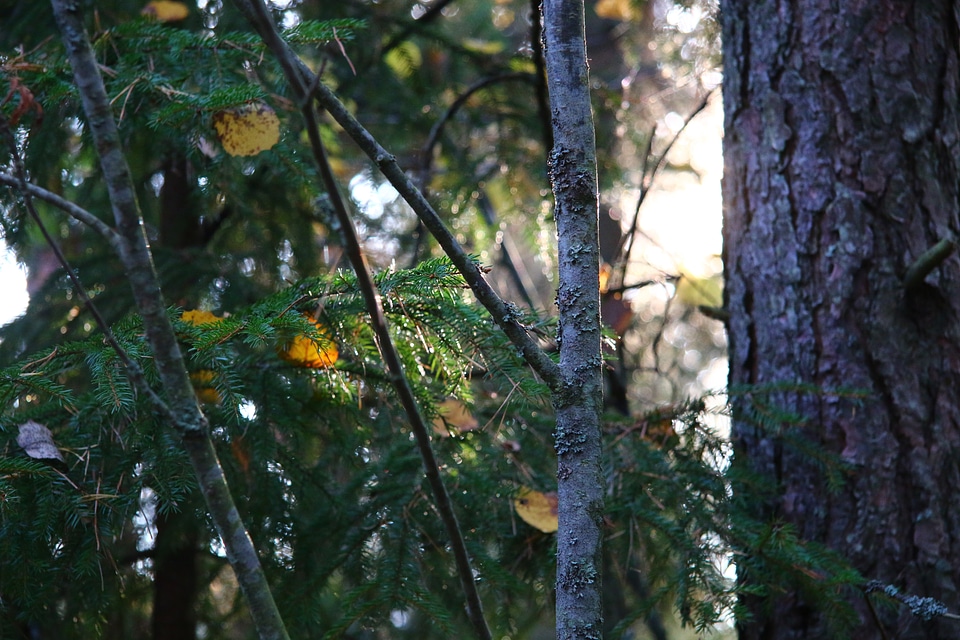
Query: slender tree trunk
{"x":573,"y":172}
{"x":175,"y":578}
{"x":842,"y":153}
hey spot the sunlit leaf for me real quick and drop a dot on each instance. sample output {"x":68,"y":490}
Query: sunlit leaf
{"x":489,"y":47}
{"x":695,"y":291}
{"x":247,"y":130}
{"x":605,"y":272}
{"x":537,"y":509}
{"x":615,"y":9}
{"x":316,"y":351}
{"x":454,"y":417}
{"x":38,"y":442}
{"x":203,"y":386}
{"x":166,"y":10}
{"x":197,"y":317}
{"x":404,"y":59}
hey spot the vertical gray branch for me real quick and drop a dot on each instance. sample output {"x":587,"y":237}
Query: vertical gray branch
{"x":573,"y":173}
{"x":138,"y":267}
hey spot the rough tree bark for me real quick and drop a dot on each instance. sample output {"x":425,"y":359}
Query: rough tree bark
{"x":842,"y":150}
{"x":573,"y":172}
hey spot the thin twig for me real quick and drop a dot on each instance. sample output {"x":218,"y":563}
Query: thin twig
{"x":433,"y":138}
{"x":646,"y":181}
{"x":73,"y":210}
{"x":927,"y":262}
{"x":426,"y":152}
{"x":543,"y":95}
{"x":428,"y":16}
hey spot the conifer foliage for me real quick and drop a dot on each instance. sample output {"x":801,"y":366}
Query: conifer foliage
{"x":213,"y":394}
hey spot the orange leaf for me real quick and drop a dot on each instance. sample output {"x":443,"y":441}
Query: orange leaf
{"x":247,"y":130}
{"x":166,"y":10}
{"x":202,"y":380}
{"x":197,"y":318}
{"x":537,"y":509}
{"x":453,"y":415}
{"x":316,"y":351}
{"x":615,"y":9}
{"x":242,"y":454}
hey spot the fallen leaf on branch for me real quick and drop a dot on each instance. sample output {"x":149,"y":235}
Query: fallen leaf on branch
{"x":454,"y":417}
{"x":38,"y":442}
{"x":197,"y":317}
{"x":247,"y":130}
{"x":537,"y":509}
{"x":202,"y":384}
{"x":315,"y":352}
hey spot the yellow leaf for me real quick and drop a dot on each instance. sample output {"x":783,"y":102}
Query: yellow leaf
{"x":202,"y":380}
{"x":605,"y":273}
{"x":453,"y":415}
{"x":615,"y":9}
{"x":166,"y":10}
{"x":478,"y":45}
{"x":197,"y":317}
{"x":316,"y":351}
{"x":537,"y":509}
{"x":247,"y":130}
{"x":404,"y":59}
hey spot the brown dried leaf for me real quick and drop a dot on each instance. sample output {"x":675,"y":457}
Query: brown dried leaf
{"x":454,"y":416}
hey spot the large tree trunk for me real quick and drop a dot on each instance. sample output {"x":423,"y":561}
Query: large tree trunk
{"x":841,"y":150}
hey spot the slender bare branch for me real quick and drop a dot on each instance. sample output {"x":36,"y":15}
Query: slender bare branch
{"x":428,"y":16}
{"x":258,"y":15}
{"x":426,"y":152}
{"x":646,"y":181}
{"x":137,"y":261}
{"x":543,"y":98}
{"x":71,"y":209}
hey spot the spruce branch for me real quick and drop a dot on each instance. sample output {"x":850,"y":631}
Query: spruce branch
{"x":23,"y":186}
{"x":137,"y":262}
{"x":501,"y":312}
{"x":258,"y":14}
